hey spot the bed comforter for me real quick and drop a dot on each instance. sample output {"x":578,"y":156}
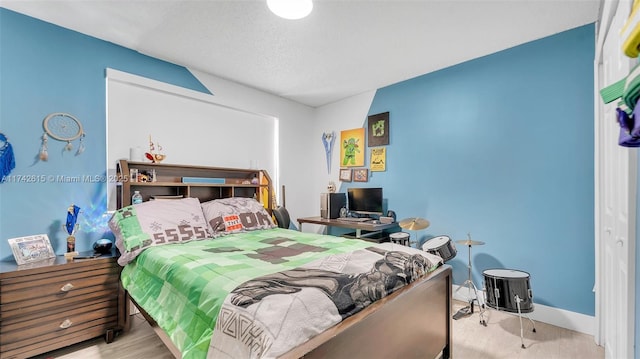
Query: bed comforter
{"x":259,"y":294}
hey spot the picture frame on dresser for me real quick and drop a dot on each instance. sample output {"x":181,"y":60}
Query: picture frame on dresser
{"x":31,"y":249}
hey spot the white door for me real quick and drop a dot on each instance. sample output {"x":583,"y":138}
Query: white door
{"x":615,"y":229}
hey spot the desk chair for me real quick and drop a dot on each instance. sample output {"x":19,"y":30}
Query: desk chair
{"x":282,"y":217}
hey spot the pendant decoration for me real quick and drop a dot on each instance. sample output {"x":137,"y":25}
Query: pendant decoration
{"x":7,"y":159}
{"x":80,"y":146}
{"x":328,"y":139}
{"x":44,"y":155}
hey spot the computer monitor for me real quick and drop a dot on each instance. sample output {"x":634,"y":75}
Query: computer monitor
{"x":364,"y":200}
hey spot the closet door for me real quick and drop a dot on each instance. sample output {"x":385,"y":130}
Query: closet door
{"x":616,"y":188}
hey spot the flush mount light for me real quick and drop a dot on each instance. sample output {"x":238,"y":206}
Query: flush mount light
{"x":290,"y":9}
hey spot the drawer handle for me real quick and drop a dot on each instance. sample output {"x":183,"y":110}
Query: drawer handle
{"x":67,"y":287}
{"x":66,"y":324}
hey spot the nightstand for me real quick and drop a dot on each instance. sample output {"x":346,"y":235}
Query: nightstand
{"x":55,"y":303}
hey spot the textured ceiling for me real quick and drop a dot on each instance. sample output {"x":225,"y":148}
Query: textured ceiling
{"x":343,"y":48}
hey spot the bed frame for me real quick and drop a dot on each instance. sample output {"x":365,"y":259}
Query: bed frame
{"x":413,"y":322}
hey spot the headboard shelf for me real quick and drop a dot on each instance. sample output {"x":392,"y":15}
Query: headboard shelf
{"x":160,"y":180}
{"x":183,"y":184}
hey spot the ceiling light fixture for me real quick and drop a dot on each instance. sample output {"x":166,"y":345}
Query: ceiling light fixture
{"x":290,"y":9}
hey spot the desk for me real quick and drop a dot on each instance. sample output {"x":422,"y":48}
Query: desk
{"x":370,"y":229}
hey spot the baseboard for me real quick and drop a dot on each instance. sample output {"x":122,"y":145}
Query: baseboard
{"x":555,"y":316}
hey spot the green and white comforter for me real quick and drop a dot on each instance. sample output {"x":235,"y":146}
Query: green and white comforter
{"x":260,"y":293}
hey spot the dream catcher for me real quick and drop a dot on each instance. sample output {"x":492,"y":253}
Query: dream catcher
{"x":7,"y":160}
{"x":62,"y":127}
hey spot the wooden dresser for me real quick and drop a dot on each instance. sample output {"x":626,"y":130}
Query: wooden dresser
{"x":52,"y":304}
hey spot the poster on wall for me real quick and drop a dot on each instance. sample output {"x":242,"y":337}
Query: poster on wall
{"x":351,"y":143}
{"x":378,"y":130}
{"x":378,"y":159}
{"x":345,"y":174}
{"x":360,"y":175}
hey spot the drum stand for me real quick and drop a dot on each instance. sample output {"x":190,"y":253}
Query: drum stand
{"x":470,"y":285}
{"x":518,"y":300}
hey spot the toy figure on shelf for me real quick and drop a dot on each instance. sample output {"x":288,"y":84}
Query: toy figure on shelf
{"x":331,"y":187}
{"x":152,"y":155}
{"x":71,"y":226}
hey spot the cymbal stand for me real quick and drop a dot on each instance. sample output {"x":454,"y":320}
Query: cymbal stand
{"x":470,"y":285}
{"x":415,"y":235}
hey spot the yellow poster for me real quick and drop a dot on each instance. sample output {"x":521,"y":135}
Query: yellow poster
{"x":352,"y":148}
{"x":378,"y":159}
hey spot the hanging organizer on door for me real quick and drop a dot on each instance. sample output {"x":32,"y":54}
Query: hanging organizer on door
{"x":630,"y":32}
{"x":627,"y":113}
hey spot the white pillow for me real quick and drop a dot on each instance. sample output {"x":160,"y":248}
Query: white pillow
{"x":157,"y":222}
{"x":235,"y":214}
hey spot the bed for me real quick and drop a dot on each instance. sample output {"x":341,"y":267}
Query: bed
{"x":219,"y":280}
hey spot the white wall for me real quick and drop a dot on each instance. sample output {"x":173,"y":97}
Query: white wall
{"x":303,"y":169}
{"x":338,"y":116}
{"x":302,"y":160}
{"x":295,"y":133}
{"x":192,"y":127}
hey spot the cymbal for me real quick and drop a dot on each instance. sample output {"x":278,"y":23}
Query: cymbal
{"x":414,"y":224}
{"x":469,"y":242}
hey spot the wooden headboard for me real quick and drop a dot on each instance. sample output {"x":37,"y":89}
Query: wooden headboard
{"x":159,"y":180}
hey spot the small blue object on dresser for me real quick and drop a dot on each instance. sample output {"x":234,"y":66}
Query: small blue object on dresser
{"x":203,"y":180}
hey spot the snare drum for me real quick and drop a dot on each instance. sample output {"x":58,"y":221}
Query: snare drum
{"x":441,"y":246}
{"x":503,"y":285}
{"x":400,"y":238}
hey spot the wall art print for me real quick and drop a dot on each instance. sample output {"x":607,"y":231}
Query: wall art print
{"x":378,"y":130}
{"x":360,"y":175}
{"x":345,"y":174}
{"x":378,"y":159}
{"x":351,"y":148}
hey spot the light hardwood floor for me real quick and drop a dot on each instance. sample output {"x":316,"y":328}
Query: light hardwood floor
{"x":499,"y":339}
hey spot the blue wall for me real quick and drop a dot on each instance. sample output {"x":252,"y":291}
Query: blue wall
{"x":502,"y":147}
{"x":45,"y":69}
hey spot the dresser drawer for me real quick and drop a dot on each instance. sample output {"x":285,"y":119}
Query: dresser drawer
{"x":64,"y":282}
{"x":59,"y":304}
{"x":58,"y":321}
{"x":30,"y":346}
{"x":58,"y":301}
